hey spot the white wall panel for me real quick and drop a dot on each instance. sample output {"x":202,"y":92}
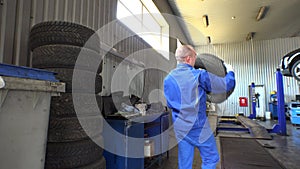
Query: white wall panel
{"x":256,"y":62}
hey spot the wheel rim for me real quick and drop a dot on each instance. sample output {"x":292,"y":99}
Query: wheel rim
{"x":296,"y":71}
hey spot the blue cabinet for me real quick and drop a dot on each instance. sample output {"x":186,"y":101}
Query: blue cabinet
{"x":124,"y":151}
{"x":157,"y":130}
{"x":273,"y":109}
{"x":123,"y":148}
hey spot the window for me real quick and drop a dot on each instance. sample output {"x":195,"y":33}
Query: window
{"x":178,"y":43}
{"x":143,"y":18}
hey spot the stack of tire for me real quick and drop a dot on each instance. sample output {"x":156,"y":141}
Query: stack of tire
{"x":56,"y":46}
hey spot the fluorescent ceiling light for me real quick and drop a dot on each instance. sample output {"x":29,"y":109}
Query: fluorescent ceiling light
{"x":261,"y":13}
{"x":205,"y":20}
{"x":208,"y":39}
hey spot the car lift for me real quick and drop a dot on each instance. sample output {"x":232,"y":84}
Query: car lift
{"x":280,"y":128}
{"x":256,"y":130}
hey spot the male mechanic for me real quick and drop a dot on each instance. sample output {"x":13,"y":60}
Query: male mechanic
{"x":185,"y":90}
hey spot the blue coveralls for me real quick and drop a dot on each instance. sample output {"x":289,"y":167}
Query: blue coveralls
{"x":185,"y":91}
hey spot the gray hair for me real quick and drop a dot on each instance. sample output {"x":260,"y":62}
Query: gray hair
{"x":183,"y":51}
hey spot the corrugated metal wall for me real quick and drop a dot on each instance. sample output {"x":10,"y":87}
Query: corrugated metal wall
{"x":14,"y":28}
{"x":18,"y":16}
{"x":256,"y":62}
{"x":92,"y":13}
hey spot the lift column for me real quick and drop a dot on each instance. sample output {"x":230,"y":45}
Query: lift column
{"x":280,"y":128}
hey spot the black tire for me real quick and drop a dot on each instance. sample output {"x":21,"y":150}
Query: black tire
{"x":295,"y":71}
{"x":74,"y":129}
{"x":65,"y":56}
{"x":218,"y":98}
{"x":100,"y":164}
{"x":61,"y":32}
{"x":211,"y":63}
{"x":83,"y":83}
{"x":72,"y":154}
{"x":214,"y":65}
{"x":63,"y":105}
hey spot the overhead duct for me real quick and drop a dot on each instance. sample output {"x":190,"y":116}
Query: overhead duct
{"x":181,"y":22}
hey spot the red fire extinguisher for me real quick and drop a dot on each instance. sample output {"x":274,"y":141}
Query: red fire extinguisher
{"x":243,"y":101}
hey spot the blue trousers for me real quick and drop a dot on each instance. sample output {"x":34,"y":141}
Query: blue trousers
{"x":208,"y":152}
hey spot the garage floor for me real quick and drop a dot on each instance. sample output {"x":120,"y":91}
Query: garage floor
{"x":286,"y":149}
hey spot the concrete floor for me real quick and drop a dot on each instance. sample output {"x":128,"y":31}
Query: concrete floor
{"x":286,"y":149}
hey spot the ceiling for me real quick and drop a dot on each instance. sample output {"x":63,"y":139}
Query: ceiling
{"x":281,"y":19}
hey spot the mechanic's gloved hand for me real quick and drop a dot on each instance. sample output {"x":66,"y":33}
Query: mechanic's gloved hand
{"x":229,"y":68}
